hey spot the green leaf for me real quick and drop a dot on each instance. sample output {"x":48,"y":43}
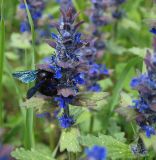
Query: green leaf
{"x":105,"y":83}
{"x":115,"y":130}
{"x":21,"y":41}
{"x":126,"y":101}
{"x":141,"y":52}
{"x":114,"y":48}
{"x":80,"y":114}
{"x":12,"y":56}
{"x":22,"y":154}
{"x":116,"y":149}
{"x":127,"y":23}
{"x":39,"y":104}
{"x":119,"y":85}
{"x":69,"y":140}
{"x":45,"y":50}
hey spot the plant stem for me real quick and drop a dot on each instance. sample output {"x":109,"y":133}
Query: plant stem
{"x":91,"y":124}
{"x":56,"y":149}
{"x":2,"y":45}
{"x":29,"y":125}
{"x":69,"y":156}
{"x":29,"y":143}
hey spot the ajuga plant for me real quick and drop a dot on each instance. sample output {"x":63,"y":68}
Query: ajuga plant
{"x":103,"y":13}
{"x":42,"y":22}
{"x":67,"y":69}
{"x":145,"y":104}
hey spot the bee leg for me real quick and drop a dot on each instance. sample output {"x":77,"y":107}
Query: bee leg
{"x":31,"y":92}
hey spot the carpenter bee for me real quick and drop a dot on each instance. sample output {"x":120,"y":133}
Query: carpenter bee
{"x":45,"y":82}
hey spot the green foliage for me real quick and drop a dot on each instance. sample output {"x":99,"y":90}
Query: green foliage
{"x":80,"y":114}
{"x":124,"y":108}
{"x":69,"y":140}
{"x":118,"y":87}
{"x":33,"y":154}
{"x":2,"y":45}
{"x":39,"y":104}
{"x":141,"y":52}
{"x":116,"y":149}
{"x":115,"y":130}
{"x":20,"y":41}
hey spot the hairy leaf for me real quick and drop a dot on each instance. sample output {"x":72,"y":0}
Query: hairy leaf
{"x":22,"y":154}
{"x":116,"y":149}
{"x":125,"y":103}
{"x":69,"y":140}
{"x":39,"y":104}
{"x":80,"y":114}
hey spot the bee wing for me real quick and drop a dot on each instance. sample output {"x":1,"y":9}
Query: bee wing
{"x":90,"y":99}
{"x":26,"y":76}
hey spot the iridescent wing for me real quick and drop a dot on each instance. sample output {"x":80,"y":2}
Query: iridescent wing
{"x":91,"y":99}
{"x":26,"y":76}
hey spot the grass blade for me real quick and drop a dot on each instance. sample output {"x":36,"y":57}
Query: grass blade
{"x":2,"y":46}
{"x":29,"y":122}
{"x":32,"y":33}
{"x":120,"y":82}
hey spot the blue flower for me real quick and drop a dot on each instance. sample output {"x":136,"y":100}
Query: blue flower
{"x":63,"y":102}
{"x":104,"y":70}
{"x":141,"y":105}
{"x":117,"y":14}
{"x":5,"y":152}
{"x":95,"y":69}
{"x":78,"y":38}
{"x":36,"y":15}
{"x":22,"y":6}
{"x":54,"y":36}
{"x":153,"y":30}
{"x":57,"y":70}
{"x":96,"y":153}
{"x":94,"y":88}
{"x":58,"y":74}
{"x":135,"y":82}
{"x":119,"y":2}
{"x":24,"y":26}
{"x":149,"y":130}
{"x":66,"y":121}
{"x":80,"y":78}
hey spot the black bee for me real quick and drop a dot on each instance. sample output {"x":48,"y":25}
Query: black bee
{"x":45,"y":83}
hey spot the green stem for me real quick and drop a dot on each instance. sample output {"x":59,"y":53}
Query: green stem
{"x":29,"y":121}
{"x":91,"y":124}
{"x":56,"y":149}
{"x":2,"y":46}
{"x":29,"y":140}
{"x":75,"y":3}
{"x":69,"y":155}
